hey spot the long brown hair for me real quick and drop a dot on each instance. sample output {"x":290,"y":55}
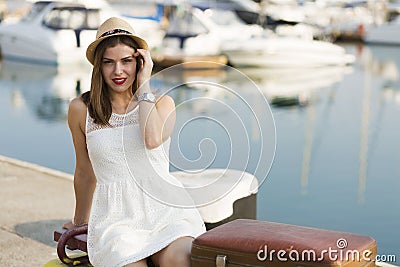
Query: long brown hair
{"x":98,"y":98}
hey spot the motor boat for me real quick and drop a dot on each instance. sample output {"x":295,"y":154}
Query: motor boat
{"x":192,"y":36}
{"x":51,"y":33}
{"x":285,"y":52}
{"x":57,"y":33}
{"x":328,"y":19}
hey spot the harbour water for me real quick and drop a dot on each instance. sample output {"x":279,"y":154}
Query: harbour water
{"x":336,"y":163}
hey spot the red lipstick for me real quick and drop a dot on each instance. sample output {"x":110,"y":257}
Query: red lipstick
{"x":119,"y":81}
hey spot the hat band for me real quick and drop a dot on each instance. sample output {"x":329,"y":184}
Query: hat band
{"x":114,"y":31}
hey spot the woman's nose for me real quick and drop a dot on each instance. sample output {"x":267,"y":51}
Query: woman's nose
{"x":118,"y":68}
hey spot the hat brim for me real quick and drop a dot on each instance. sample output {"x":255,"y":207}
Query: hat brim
{"x":92,"y":47}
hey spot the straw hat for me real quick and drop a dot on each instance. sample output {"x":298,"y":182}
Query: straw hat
{"x":112,"y":27}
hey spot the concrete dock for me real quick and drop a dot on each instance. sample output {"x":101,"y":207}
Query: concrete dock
{"x":34,"y":201}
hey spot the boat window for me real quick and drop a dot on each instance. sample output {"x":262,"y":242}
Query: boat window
{"x":72,"y":18}
{"x":223,"y":17}
{"x":77,"y":19}
{"x":198,"y":27}
{"x":93,"y":18}
{"x":35,"y":9}
{"x":186,"y":24}
{"x":234,"y":5}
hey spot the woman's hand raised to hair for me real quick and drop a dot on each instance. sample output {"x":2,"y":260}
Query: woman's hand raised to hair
{"x":146,"y":68}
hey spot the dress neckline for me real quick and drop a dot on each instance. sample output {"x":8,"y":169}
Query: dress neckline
{"x":129,"y":112}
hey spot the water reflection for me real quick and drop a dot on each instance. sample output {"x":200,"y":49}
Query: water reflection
{"x":47,"y":90}
{"x":298,"y":86}
{"x":380,"y":63}
{"x":384,"y":62}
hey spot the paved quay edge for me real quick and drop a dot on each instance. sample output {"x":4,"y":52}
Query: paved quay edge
{"x":36,"y":167}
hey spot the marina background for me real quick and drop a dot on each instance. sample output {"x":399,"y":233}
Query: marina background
{"x":337,"y":156}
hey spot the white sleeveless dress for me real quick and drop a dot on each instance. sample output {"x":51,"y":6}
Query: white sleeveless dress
{"x":127,"y":223}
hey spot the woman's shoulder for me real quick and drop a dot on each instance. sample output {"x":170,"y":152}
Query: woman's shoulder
{"x":77,"y":105}
{"x":77,"y":109}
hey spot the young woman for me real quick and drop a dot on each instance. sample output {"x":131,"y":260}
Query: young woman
{"x":121,"y":135}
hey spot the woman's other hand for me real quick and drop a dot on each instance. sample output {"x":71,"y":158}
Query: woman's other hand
{"x":68,"y":225}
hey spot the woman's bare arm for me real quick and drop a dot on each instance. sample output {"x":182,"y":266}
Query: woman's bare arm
{"x":84,"y":178}
{"x":156,"y":120}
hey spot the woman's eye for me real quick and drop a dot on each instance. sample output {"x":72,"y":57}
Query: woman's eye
{"x":107,"y":62}
{"x":127,"y":60}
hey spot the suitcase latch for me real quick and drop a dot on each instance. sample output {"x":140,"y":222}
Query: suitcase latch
{"x":220,"y":261}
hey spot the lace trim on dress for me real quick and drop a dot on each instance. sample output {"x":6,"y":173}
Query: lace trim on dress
{"x":116,"y":121}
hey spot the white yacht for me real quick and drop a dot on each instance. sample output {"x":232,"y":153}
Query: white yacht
{"x":286,"y":52}
{"x":192,"y":35}
{"x":57,"y":33}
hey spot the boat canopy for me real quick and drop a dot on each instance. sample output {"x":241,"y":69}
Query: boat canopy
{"x":72,"y":17}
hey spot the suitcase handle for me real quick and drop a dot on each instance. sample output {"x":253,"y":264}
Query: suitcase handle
{"x":62,"y":242}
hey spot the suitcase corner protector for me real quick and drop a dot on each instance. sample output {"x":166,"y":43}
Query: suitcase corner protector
{"x":220,"y":261}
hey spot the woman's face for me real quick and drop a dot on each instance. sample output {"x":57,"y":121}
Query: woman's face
{"x":119,"y":68}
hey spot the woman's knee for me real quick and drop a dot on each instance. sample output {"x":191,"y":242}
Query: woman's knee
{"x":177,"y":253}
{"x":177,"y":258}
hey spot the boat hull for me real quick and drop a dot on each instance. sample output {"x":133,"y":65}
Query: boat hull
{"x":46,"y":46}
{"x":286,"y":53}
{"x":284,"y":59}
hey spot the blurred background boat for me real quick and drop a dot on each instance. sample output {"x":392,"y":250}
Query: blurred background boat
{"x":286,"y":52}
{"x":193,"y":34}
{"x":58,"y":32}
{"x":329,"y":19}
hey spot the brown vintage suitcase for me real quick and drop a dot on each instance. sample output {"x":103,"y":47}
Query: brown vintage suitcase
{"x":258,"y":243}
